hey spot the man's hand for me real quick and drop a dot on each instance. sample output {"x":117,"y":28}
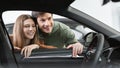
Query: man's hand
{"x":77,"y":48}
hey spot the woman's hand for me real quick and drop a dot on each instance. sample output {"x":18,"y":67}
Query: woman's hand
{"x":17,"y":48}
{"x":26,"y":51}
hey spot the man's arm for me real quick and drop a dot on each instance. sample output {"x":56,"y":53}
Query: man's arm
{"x":77,"y":48}
{"x":72,"y":42}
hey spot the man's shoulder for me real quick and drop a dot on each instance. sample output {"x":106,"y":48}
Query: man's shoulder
{"x":60,"y":24}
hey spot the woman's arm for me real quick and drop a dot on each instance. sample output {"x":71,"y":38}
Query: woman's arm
{"x":48,"y":46}
{"x":42,"y":45}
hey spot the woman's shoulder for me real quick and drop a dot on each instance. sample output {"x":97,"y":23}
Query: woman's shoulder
{"x":11,"y":36}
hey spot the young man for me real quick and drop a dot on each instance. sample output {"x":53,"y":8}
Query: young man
{"x":56,"y":33}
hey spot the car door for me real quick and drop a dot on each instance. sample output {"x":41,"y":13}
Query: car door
{"x":7,"y":58}
{"x":59,"y":58}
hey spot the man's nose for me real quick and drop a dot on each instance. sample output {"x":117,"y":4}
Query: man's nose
{"x":46,"y":22}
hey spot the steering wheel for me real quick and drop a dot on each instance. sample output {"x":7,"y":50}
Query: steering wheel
{"x":94,"y":49}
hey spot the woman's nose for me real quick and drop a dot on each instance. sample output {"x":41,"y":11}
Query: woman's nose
{"x":31,"y":28}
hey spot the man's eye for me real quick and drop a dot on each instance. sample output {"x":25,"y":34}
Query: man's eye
{"x":49,"y":18}
{"x":42,"y":20}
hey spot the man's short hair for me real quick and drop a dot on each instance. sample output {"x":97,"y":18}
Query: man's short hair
{"x":36,"y":13}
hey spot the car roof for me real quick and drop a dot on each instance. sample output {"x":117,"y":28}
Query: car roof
{"x":44,"y":5}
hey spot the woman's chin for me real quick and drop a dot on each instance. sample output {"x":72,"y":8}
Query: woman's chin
{"x":31,"y":37}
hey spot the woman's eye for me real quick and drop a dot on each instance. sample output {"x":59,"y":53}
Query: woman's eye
{"x":33,"y":25}
{"x":26,"y":26}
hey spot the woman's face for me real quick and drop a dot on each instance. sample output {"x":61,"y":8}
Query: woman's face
{"x":29,"y":29}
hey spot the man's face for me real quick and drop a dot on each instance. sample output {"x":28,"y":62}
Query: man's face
{"x":45,"y":22}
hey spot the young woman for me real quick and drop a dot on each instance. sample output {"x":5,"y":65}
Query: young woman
{"x":25,"y":36}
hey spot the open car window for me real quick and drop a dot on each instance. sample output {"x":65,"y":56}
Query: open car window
{"x":9,"y":18}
